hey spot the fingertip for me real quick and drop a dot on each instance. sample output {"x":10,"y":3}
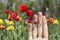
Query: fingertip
{"x":44,"y":17}
{"x":44,"y":20}
{"x":35,"y":19}
{"x":29,"y":24}
{"x":35,"y":16}
{"x":40,"y":13}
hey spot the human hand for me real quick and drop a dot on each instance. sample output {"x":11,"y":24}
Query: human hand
{"x":38,"y":31}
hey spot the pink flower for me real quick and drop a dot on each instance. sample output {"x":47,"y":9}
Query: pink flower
{"x":16,"y":19}
{"x":29,"y":20}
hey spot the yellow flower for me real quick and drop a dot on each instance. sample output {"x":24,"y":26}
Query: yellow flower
{"x":26,"y":23}
{"x":1,"y":21}
{"x":20,"y":26}
{"x":10,"y":28}
{"x":20,"y":18}
{"x":9,"y":22}
{"x":56,"y":22}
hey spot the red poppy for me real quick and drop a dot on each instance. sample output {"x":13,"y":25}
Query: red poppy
{"x":50,"y":20}
{"x":13,"y":15}
{"x":6,"y":11}
{"x":22,"y":8}
{"x":29,"y":13}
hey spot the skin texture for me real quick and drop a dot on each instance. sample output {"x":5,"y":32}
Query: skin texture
{"x":38,"y":31}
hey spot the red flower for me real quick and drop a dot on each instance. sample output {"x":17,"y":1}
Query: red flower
{"x":6,"y":11}
{"x":29,"y":13}
{"x":13,"y":15}
{"x":16,"y":19}
{"x":22,"y":8}
{"x":50,"y":20}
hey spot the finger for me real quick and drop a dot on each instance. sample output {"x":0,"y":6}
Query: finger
{"x":40,"y":24}
{"x":45,"y":27}
{"x":29,"y":31}
{"x":34,"y":26}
